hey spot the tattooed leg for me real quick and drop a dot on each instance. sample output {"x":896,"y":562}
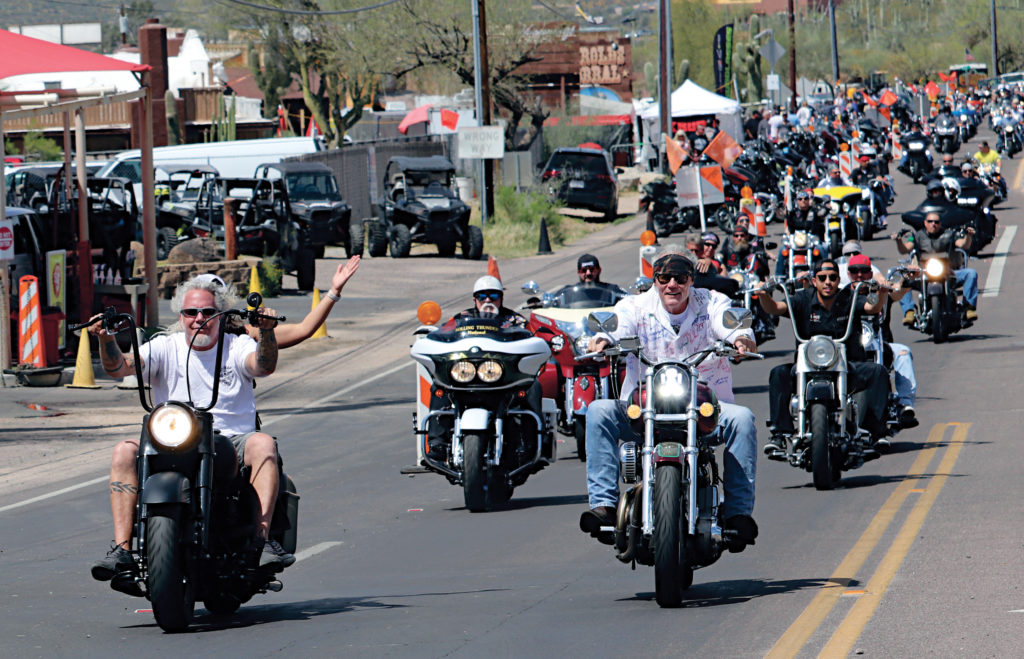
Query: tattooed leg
{"x":124,"y":489}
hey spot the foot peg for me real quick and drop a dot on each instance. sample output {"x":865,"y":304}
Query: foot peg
{"x":275,"y":586}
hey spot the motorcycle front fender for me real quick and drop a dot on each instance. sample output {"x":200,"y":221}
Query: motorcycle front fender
{"x":166,"y":487}
{"x":475,"y":419}
{"x":819,"y":391}
{"x":936,"y":288}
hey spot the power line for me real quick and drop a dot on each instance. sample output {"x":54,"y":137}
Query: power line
{"x":302,"y":12}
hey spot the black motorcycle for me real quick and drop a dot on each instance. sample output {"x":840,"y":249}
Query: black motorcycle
{"x":196,"y":517}
{"x":915,"y":144}
{"x":661,"y":204}
{"x":939,"y":310}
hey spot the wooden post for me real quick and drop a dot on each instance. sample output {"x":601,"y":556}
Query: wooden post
{"x":84,"y":247}
{"x":230,"y":231}
{"x":148,"y":207}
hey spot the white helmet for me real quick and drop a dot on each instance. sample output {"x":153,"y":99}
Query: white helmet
{"x":488,"y":283}
{"x":952,"y":188}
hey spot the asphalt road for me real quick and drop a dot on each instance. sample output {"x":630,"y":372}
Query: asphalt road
{"x":915,"y":553}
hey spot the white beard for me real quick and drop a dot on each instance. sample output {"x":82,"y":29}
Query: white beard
{"x":202,"y":341}
{"x":488,"y":307}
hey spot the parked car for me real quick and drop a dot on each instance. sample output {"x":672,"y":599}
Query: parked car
{"x":583,"y":178}
{"x":421,"y":205}
{"x":316,"y":202}
{"x":178,"y":191}
{"x":113,"y":220}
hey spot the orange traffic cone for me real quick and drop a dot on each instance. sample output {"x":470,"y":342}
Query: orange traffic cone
{"x":492,"y":268}
{"x":759,"y":224}
{"x":30,"y":324}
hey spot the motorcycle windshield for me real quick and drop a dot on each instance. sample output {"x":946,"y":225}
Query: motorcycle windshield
{"x":582,"y":296}
{"x":480,"y":327}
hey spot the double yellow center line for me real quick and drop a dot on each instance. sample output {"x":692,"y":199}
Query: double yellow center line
{"x":849,"y":630}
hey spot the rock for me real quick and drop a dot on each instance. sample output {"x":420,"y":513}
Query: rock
{"x":196,"y":250}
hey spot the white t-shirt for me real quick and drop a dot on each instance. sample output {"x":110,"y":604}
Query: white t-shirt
{"x":164,"y":369}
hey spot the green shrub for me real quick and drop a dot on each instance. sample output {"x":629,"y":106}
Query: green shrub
{"x":271,"y":273}
{"x":514,"y":228}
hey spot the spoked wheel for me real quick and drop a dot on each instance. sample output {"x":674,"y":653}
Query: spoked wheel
{"x":579,"y":430}
{"x":671,"y":573}
{"x":170,"y":591}
{"x":483,"y":487}
{"x":825,"y":476}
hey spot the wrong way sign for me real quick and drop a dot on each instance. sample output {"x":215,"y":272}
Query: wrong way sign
{"x":6,"y":240}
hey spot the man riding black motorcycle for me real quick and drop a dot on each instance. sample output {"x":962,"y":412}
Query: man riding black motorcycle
{"x":806,"y":216}
{"x":673,"y":319}
{"x":932,"y":239}
{"x":737,"y":251}
{"x":824,"y":309}
{"x":175,"y":375}
{"x":589,"y":270}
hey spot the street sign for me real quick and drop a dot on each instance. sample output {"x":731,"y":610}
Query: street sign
{"x":481,"y":142}
{"x":772,"y":82}
{"x":772,"y":51}
{"x":6,"y":240}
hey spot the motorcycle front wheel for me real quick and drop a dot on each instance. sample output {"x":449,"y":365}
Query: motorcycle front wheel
{"x":939,"y":329}
{"x":170,"y":590}
{"x":825,"y":475}
{"x":483,"y":487}
{"x":671,"y":573}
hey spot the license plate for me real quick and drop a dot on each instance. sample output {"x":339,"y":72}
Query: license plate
{"x":576,"y":184}
{"x":833,"y":225}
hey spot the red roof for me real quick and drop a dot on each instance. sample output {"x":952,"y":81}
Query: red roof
{"x":22,"y":55}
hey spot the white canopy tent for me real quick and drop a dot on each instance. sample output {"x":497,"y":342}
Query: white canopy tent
{"x":692,"y":100}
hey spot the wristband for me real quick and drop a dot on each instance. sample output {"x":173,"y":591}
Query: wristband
{"x":332,"y":297}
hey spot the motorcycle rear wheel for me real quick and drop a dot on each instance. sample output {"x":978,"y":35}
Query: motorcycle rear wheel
{"x":825,"y":476}
{"x":671,"y":573}
{"x":170,"y":589}
{"x":483,"y":487}
{"x":939,"y":329}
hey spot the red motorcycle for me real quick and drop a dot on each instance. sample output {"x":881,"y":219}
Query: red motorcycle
{"x":560,"y":318}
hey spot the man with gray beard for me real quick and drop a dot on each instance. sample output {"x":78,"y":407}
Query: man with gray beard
{"x":165,"y":361}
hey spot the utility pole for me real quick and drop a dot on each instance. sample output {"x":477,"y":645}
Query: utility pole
{"x":664,"y":76}
{"x":995,"y":39}
{"x":482,"y":79}
{"x":123,"y":26}
{"x":835,"y":43}
{"x":792,"y":60}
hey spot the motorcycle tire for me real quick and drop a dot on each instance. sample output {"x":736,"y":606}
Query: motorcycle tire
{"x":483,"y":487}
{"x":662,"y":226}
{"x":671,"y":573}
{"x":473,"y":244}
{"x":825,"y":476}
{"x":401,"y":241}
{"x":168,"y":586}
{"x":378,"y":239}
{"x":939,"y":329}
{"x":305,"y":269}
{"x":356,"y":238}
{"x":867,"y":230}
{"x":579,"y":430}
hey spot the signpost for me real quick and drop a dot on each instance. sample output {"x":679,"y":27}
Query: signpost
{"x":481,"y":142}
{"x":6,"y":256}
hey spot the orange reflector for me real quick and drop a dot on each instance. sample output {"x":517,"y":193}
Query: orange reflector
{"x":844,"y":147}
{"x":634,"y":412}
{"x":438,"y":393}
{"x":428,"y":313}
{"x":817,"y":253}
{"x":648,"y":238}
{"x":785,"y":252}
{"x":706,"y":409}
{"x":521,"y":394}
{"x":746,"y":192}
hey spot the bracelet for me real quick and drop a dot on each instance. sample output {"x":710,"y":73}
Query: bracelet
{"x":332,"y":297}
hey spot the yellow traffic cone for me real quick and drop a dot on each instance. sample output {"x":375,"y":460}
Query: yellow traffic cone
{"x":84,"y":377}
{"x":321,"y":332}
{"x":254,"y":282}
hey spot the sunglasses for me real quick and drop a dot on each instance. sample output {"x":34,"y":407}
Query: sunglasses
{"x":802,"y":197}
{"x":827,"y":277}
{"x":859,"y":269}
{"x":740,"y":234}
{"x":192,"y":312}
{"x":711,"y":244}
{"x":589,"y":268}
{"x":932,"y":222}
{"x":483,"y":297}
{"x":665,"y":277}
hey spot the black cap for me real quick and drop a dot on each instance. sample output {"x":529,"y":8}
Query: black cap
{"x":587,"y":261}
{"x":674,"y":263}
{"x":827,"y":264}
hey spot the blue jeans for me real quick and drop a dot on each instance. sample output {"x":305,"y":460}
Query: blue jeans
{"x":966,"y":278}
{"x":906,"y":381}
{"x":607,"y":425}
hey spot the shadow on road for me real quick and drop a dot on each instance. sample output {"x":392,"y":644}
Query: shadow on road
{"x":336,"y":407}
{"x":737,"y":591}
{"x":855,"y":482}
{"x":540,"y":502}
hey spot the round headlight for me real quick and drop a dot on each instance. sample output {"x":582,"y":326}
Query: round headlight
{"x":489,"y":371}
{"x":671,"y":390}
{"x":867,"y":335}
{"x":463,"y":371}
{"x":800,"y":239}
{"x":934,"y":268}
{"x":173,"y":427}
{"x":821,"y":352}
{"x":581,"y":344}
{"x":557,"y":343}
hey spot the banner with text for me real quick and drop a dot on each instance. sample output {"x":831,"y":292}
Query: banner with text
{"x":722,"y":53}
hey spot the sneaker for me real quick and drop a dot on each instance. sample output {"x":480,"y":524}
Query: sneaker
{"x":118,"y":559}
{"x":909,"y":317}
{"x":275,"y":556}
{"x":908,"y":418}
{"x":592,"y":520}
{"x":743,"y":532}
{"x":971,"y":315}
{"x":777,"y":442}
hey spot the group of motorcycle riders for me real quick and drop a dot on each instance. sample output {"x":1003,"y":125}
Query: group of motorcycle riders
{"x":681,"y":313}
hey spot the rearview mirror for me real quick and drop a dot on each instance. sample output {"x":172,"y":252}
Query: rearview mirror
{"x":602,"y":321}
{"x":531,"y":288}
{"x":641,"y":285}
{"x":737,"y":318}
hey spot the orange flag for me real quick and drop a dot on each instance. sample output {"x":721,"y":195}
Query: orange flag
{"x":888,"y":97}
{"x":870,"y":101}
{"x":884,"y":111}
{"x":676,"y":154}
{"x":723,"y":149}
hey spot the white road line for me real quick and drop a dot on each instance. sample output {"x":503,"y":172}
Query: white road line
{"x":43,"y":497}
{"x":995,"y":273}
{"x":314,"y":550}
{"x":275,"y":419}
{"x":339,"y":392}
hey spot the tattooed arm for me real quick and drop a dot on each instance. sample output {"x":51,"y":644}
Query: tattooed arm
{"x":264,"y":361}
{"x":115,"y":363}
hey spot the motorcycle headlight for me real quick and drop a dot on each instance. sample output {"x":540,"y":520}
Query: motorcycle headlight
{"x":800,"y":239}
{"x":489,"y":371}
{"x":671,"y":390}
{"x":846,"y":207}
{"x":463,"y":371}
{"x":581,"y":344}
{"x":557,"y":343}
{"x":173,"y":427}
{"x":916,"y":146}
{"x":867,"y":335}
{"x":821,"y":352}
{"x":934,"y":268}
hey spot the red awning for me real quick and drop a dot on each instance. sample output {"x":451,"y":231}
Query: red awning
{"x":22,"y":55}
{"x":592,"y":120}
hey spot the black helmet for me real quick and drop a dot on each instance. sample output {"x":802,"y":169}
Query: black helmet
{"x":933,"y":185}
